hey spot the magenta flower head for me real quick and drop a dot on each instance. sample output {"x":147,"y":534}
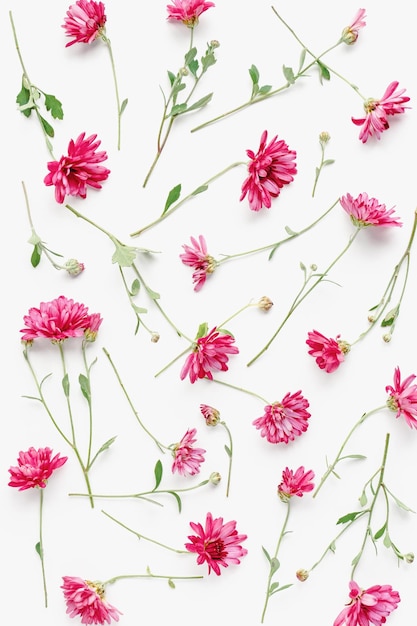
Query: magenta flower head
{"x":85,"y":21}
{"x":72,"y":173}
{"x":210,"y":414}
{"x":295,"y":484}
{"x":196,"y":256}
{"x":329,"y":353}
{"x":34,"y":468}
{"x":403,"y":398}
{"x":272,"y":167}
{"x":351,"y":32}
{"x":86,"y":599}
{"x":284,"y":421}
{"x":187,"y":458}
{"x":365,"y":211}
{"x":377,"y":111}
{"x":368,"y":606}
{"x":216,"y":544}
{"x":58,"y":320}
{"x":210,"y":352}
{"x":187,"y":11}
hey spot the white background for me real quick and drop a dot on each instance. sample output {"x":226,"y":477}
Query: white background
{"x":83,"y":542}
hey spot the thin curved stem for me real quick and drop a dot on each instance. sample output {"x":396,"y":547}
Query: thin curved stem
{"x":113,"y":67}
{"x":41,"y":551}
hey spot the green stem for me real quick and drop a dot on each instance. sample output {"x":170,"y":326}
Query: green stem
{"x":66,"y":386}
{"x":230,"y":455}
{"x":142,"y":494}
{"x":173,"y":361}
{"x":113,"y":67}
{"x":90,"y":405}
{"x":41,"y":552}
{"x":127,"y":576}
{"x":318,"y":172}
{"x":251,"y":393}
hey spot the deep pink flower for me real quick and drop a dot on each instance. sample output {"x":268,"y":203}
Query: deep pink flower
{"x":34,"y":468}
{"x":85,"y":21}
{"x":368,"y":606}
{"x":284,"y":421}
{"x":59,"y":319}
{"x":329,"y":353}
{"x":87,"y":599}
{"x":187,"y":459}
{"x":71,"y":174}
{"x":187,"y":11}
{"x":375,"y":121}
{"x":216,"y":544}
{"x":270,"y":169}
{"x":295,"y":484}
{"x":351,"y":32}
{"x":365,"y":211}
{"x":209,"y":353}
{"x":196,"y":256}
{"x":403,"y":398}
{"x":210,"y":414}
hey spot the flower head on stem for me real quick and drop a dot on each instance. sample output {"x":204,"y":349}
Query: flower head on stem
{"x":324,"y":139}
{"x":212,"y":418}
{"x":377,"y":112}
{"x":197,"y":257}
{"x":328,"y":352}
{"x":187,"y":458}
{"x":350,"y":33}
{"x":368,"y":606}
{"x":187,"y":11}
{"x":284,"y":421}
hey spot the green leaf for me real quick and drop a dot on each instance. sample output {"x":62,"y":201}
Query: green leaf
{"x":47,"y":127}
{"x":106,"y":445}
{"x":353,"y":456}
{"x":328,"y":161}
{"x":289,"y":74}
{"x":134,"y":289}
{"x":173,"y":196}
{"x":283,"y":587}
{"x":139,"y":309}
{"x":200,"y":103}
{"x":158,"y":471}
{"x":302,"y":266}
{"x":302,"y":59}
{"x":254,"y":74}
{"x":363,"y":499}
{"x":207,"y":60}
{"x":387,"y":540}
{"x":177,"y":109}
{"x":85,"y":387}
{"x":324,"y":72}
{"x":36,"y":256}
{"x":273,"y":588}
{"x":38,"y":549}
{"x":275,"y":565}
{"x":123,"y":255}
{"x":266,"y":553}
{"x":332,"y":546}
{"x":66,"y":385}
{"x":171,"y":583}
{"x":123,"y":105}
{"x":400,"y":504}
{"x":23,"y":98}
{"x":200,"y":190}
{"x":152,"y":294}
{"x":54,"y":106}
{"x":228,"y":450}
{"x":356,"y":559}
{"x":380,"y":532}
{"x":193,"y":67}
{"x":390,"y":317}
{"x":290,"y":232}
{"x":178,"y":499}
{"x":202,"y":330}
{"x":190,"y":56}
{"x":264,"y":90}
{"x":374,"y":307}
{"x":171,"y":77}
{"x":349,"y":517}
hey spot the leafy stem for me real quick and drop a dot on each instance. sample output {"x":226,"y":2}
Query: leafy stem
{"x":39,"y":547}
{"x":120,"y":107}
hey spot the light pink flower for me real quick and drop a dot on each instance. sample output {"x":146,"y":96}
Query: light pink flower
{"x":87,"y":600}
{"x":365,"y":211}
{"x":403,"y":398}
{"x":368,"y":606}
{"x":59,"y":319}
{"x":34,"y":468}
{"x":71,"y":174}
{"x":270,"y":169}
{"x":209,"y":353}
{"x":196,"y":256}
{"x":187,"y":459}
{"x":295,"y":484}
{"x":375,"y":121}
{"x":216,"y":544}
{"x":329,"y":353}
{"x":187,"y":11}
{"x":210,"y":414}
{"x":92,"y":326}
{"x":284,"y":421}
{"x":85,"y":21}
{"x":351,"y":32}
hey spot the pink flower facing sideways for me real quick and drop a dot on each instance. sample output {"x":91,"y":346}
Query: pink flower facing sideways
{"x":368,"y":606}
{"x":365,"y":211}
{"x":34,"y":468}
{"x":377,"y":112}
{"x":86,"y":599}
{"x":196,"y":256}
{"x":72,"y":173}
{"x":209,"y":353}
{"x":403,"y":398}
{"x":85,"y":21}
{"x":216,"y":544}
{"x":284,"y":421}
{"x":295,"y":483}
{"x":272,"y":167}
{"x":187,"y":459}
{"x":351,"y":32}
{"x":60,"y":319}
{"x":329,"y":353}
{"x":187,"y":11}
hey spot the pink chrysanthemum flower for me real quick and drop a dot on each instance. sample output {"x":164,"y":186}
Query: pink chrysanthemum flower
{"x":34,"y":468}
{"x":187,"y":459}
{"x":270,"y":169}
{"x":403,"y":398}
{"x":365,"y":211}
{"x":86,"y":599}
{"x":295,"y":484}
{"x":284,"y":421}
{"x":375,"y":121}
{"x":59,"y":319}
{"x":216,"y":544}
{"x":85,"y":21}
{"x":196,"y":256}
{"x":210,"y":414}
{"x":209,"y":353}
{"x":351,"y":32}
{"x":187,"y":11}
{"x":329,"y":353}
{"x":368,"y":606}
{"x":71,"y":174}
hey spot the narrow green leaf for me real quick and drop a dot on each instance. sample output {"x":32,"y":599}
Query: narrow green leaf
{"x":273,"y":588}
{"x":47,"y":127}
{"x":202,"y":330}
{"x":324,"y":72}
{"x":139,"y":309}
{"x":134,"y":289}
{"x":363,"y":500}
{"x":390,"y":317}
{"x":190,"y":56}
{"x":302,"y":59}
{"x":36,"y":256}
{"x":283,"y":587}
{"x":22,"y":99}
{"x":266,"y":553}
{"x":356,"y":559}
{"x":178,"y":499}
{"x":123,"y":105}
{"x":387,"y":540}
{"x":353,"y":456}
{"x":66,"y":385}
{"x":374,"y":307}
{"x":177,"y":109}
{"x":38,"y":548}
{"x":380,"y":532}
{"x":228,"y":450}
{"x":200,"y":103}
{"x":289,"y":74}
{"x":275,"y":565}
{"x":254,"y":74}
{"x":153,"y":294}
{"x":302,"y":266}
{"x":158,"y":471}
{"x":289,"y":231}
{"x":123,"y":255}
{"x":328,"y":161}
{"x":85,"y":387}
{"x":200,"y":190}
{"x":332,"y":546}
{"x":171,"y":77}
{"x":264,"y":90}
{"x":349,"y":517}
{"x":171,"y":583}
{"x":53,"y":105}
{"x":106,"y":445}
{"x":173,"y":196}
{"x":400,"y":504}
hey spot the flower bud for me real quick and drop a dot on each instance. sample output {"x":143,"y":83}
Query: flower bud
{"x":210,"y":414}
{"x":349,"y":36}
{"x":215,"y":478}
{"x":313,"y":267}
{"x":183,"y":71}
{"x":409,"y":557}
{"x":371,"y":319}
{"x":155,"y":337}
{"x":324,"y":137}
{"x":302,"y":575}
{"x":214,"y":44}
{"x":265,"y":303}
{"x":73,"y":267}
{"x":386,"y":337}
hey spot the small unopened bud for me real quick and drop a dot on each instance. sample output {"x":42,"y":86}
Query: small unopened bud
{"x":371,"y":319}
{"x":183,"y":71}
{"x":265,"y":303}
{"x":302,"y":575}
{"x":386,"y":337}
{"x":313,"y":267}
{"x":324,"y":137}
{"x":409,"y":557}
{"x":73,"y":267}
{"x":215,"y":478}
{"x":214,"y":43}
{"x":155,"y":337}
